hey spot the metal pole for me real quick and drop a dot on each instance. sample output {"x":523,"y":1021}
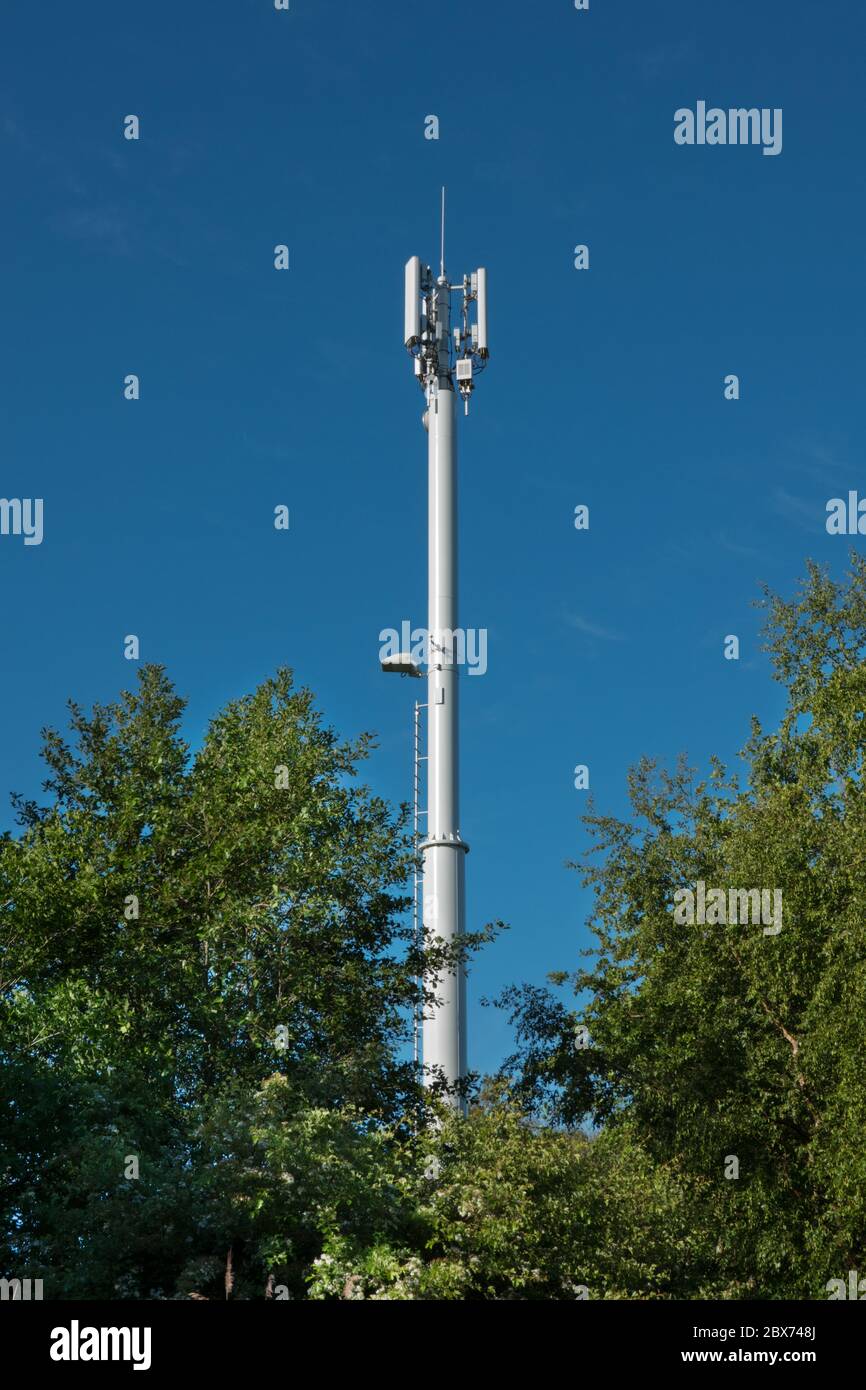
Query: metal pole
{"x":445,"y":1025}
{"x":417,"y":813}
{"x":444,"y":364}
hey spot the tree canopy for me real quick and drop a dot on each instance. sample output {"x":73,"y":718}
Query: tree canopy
{"x":718,"y":1042}
{"x":207,"y":977}
{"x":174,"y":931}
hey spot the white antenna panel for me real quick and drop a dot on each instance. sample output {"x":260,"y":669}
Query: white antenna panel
{"x":412,"y":320}
{"x":481,"y":281}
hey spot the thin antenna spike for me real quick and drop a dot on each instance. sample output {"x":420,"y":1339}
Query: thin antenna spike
{"x":442,"y":259}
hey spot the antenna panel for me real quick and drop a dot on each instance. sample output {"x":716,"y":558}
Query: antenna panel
{"x":412,"y":317}
{"x":481,"y":291}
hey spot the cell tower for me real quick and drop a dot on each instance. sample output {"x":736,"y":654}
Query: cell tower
{"x":446,"y":362}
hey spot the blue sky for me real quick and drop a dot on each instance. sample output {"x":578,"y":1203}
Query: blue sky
{"x":259,"y":387}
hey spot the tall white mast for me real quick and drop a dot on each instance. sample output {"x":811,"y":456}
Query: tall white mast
{"x":445,"y":363}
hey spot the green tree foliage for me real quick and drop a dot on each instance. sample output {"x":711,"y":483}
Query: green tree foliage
{"x":495,"y":1208}
{"x":713,"y":1042}
{"x":174,"y":931}
{"x":242,"y":1035}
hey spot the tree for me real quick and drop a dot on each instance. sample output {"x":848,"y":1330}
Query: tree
{"x":175,"y":932}
{"x":495,"y":1208}
{"x":713,"y":1043}
{"x":205,"y":986}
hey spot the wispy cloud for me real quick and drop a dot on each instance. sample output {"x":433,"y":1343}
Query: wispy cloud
{"x":808,"y":515}
{"x":819,"y":461}
{"x":97,"y":200}
{"x":736,"y":547}
{"x":581,"y":624}
{"x":104,"y":226}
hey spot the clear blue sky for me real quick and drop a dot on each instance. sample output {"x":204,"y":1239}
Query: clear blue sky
{"x":259,"y":387}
